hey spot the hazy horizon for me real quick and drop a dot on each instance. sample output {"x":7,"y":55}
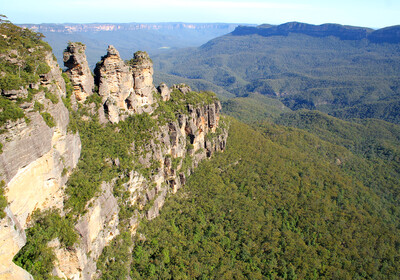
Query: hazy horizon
{"x":367,"y":13}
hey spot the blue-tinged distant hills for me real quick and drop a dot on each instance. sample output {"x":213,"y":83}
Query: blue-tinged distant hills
{"x":345,"y":71}
{"x":385,"y":35}
{"x":129,"y":37}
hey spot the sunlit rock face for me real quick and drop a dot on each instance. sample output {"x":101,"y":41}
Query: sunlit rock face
{"x":115,"y":83}
{"x":142,"y":68}
{"x":34,"y":164}
{"x":78,"y":70}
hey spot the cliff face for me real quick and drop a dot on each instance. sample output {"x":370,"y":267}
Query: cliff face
{"x":39,"y":154}
{"x":36,"y":159}
{"x":386,"y":35}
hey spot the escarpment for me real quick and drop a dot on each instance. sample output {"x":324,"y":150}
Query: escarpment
{"x":37,"y":155}
{"x":146,"y":142}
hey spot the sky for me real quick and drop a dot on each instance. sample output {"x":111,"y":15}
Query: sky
{"x":366,"y":13}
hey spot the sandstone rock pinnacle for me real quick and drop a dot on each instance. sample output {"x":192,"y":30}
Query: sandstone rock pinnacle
{"x":164,"y":91}
{"x":78,"y":70}
{"x":142,"y":98}
{"x":115,"y":81}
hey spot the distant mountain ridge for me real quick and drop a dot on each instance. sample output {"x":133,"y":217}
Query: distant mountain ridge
{"x":129,"y":37}
{"x":388,"y":34}
{"x":90,"y":27}
{"x":345,"y":71}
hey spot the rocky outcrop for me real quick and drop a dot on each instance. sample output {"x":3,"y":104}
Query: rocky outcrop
{"x":115,"y":82}
{"x":186,"y":141}
{"x":35,"y":162}
{"x":164,"y":91}
{"x":142,"y":97}
{"x":78,"y":70}
{"x":125,"y":90}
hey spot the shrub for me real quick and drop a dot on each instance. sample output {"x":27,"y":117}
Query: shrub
{"x":9,"y":111}
{"x":49,"y":120}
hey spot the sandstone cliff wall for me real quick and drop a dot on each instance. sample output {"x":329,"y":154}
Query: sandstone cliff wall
{"x":37,"y":159}
{"x":34,"y":163}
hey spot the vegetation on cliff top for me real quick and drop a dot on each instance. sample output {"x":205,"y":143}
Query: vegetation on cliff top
{"x":22,"y":54}
{"x":22,"y":61}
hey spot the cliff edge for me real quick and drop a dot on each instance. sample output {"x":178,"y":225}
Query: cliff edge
{"x":85,"y":157}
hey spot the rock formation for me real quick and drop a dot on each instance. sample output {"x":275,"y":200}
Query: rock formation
{"x":142,"y":68}
{"x":78,"y":70}
{"x":125,"y":90}
{"x":37,"y":158}
{"x":164,"y":91}
{"x":34,"y":164}
{"x":115,"y":82}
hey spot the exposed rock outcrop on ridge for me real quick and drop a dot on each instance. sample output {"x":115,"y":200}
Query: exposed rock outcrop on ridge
{"x":78,"y":70}
{"x":115,"y":82}
{"x":142,"y":68}
{"x":124,"y":89}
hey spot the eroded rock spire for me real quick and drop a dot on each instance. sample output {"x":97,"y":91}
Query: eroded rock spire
{"x":78,"y":70}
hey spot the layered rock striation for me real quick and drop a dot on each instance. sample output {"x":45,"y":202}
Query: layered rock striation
{"x":37,"y":156}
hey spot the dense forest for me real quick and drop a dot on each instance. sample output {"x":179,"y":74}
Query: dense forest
{"x":280,"y":203}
